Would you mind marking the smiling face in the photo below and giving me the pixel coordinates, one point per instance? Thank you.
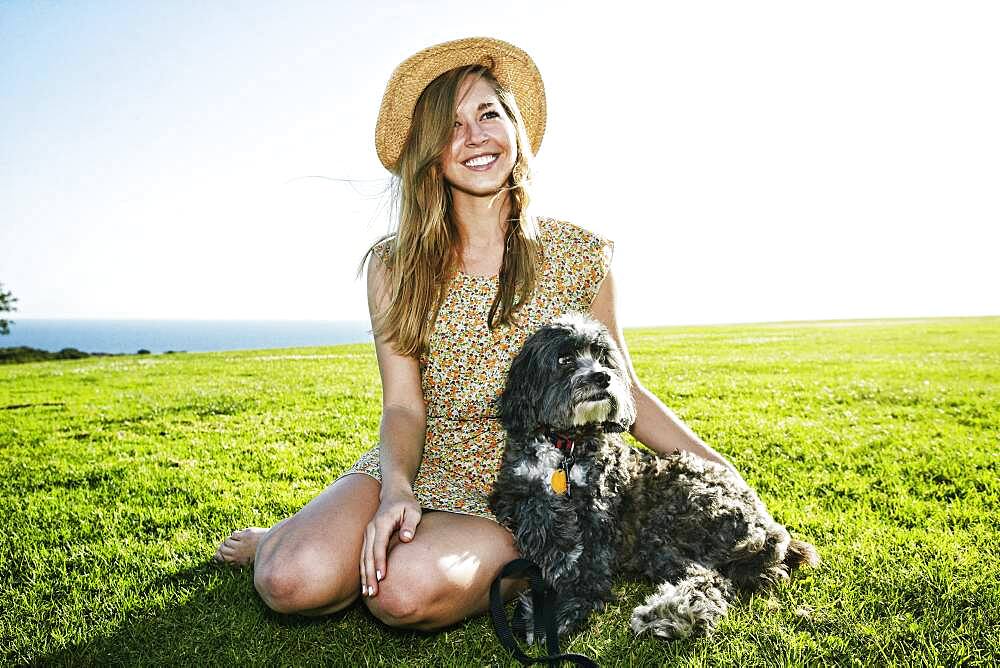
(480, 156)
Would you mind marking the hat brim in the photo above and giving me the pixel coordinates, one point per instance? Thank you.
(512, 68)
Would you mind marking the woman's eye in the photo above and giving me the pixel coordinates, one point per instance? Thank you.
(495, 114)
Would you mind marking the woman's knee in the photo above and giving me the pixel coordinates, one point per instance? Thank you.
(404, 604)
(279, 588)
(309, 563)
(301, 581)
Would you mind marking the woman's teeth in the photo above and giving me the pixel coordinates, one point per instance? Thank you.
(480, 161)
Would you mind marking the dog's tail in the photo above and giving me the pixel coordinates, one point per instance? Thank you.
(801, 553)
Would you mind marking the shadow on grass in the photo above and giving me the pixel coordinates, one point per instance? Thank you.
(210, 614)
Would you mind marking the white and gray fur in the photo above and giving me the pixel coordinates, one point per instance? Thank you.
(688, 525)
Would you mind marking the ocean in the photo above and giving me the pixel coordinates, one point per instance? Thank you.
(158, 336)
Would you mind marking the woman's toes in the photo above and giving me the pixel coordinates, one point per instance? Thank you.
(241, 546)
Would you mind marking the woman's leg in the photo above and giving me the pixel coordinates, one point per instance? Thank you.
(309, 562)
(443, 575)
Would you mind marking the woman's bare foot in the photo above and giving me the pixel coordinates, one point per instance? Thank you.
(241, 546)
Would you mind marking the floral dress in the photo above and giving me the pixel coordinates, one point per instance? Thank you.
(465, 366)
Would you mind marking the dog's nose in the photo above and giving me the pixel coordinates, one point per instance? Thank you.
(601, 378)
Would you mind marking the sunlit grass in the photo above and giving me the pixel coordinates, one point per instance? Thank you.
(875, 440)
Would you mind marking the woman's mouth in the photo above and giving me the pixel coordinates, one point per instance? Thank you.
(481, 163)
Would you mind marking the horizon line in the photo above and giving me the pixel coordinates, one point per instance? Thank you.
(633, 326)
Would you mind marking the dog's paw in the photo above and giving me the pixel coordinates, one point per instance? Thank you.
(691, 607)
(573, 614)
(524, 619)
(569, 627)
(529, 635)
(662, 617)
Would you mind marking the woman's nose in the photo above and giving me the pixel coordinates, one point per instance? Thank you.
(474, 134)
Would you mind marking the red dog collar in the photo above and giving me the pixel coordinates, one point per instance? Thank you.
(562, 442)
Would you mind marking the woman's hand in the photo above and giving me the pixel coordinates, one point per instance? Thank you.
(398, 511)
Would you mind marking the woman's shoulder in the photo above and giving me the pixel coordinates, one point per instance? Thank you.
(383, 247)
(559, 232)
(579, 253)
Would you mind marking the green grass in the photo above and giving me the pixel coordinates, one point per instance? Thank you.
(875, 440)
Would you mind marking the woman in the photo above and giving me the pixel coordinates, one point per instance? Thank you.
(468, 275)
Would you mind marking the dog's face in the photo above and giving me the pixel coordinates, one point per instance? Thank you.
(568, 374)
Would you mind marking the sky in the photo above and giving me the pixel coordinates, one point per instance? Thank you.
(752, 162)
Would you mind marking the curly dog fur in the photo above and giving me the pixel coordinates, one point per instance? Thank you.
(585, 507)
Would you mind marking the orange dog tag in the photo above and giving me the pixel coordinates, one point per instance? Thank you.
(558, 481)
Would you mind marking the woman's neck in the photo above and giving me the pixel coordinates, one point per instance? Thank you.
(481, 221)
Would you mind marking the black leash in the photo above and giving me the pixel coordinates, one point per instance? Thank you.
(543, 603)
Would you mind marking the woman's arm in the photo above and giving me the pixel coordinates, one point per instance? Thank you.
(401, 443)
(656, 426)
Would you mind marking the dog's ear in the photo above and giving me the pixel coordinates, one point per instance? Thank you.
(519, 402)
(614, 427)
(615, 358)
(625, 412)
(626, 418)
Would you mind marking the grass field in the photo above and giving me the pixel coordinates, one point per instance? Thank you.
(875, 440)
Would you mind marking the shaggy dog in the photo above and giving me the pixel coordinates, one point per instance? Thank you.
(585, 507)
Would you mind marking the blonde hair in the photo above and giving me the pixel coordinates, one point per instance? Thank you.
(425, 253)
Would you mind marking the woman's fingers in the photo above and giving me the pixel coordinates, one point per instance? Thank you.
(408, 528)
(361, 557)
(366, 559)
(403, 517)
(377, 535)
(378, 559)
(380, 539)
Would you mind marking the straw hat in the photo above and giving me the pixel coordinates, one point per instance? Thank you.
(511, 66)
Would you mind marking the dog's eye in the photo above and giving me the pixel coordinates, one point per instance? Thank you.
(565, 360)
